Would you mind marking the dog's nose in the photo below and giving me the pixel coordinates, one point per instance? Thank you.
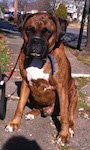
(37, 45)
(36, 41)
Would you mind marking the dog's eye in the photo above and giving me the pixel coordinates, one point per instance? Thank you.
(47, 33)
(30, 30)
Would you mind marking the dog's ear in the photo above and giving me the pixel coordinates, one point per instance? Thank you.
(61, 25)
(22, 19)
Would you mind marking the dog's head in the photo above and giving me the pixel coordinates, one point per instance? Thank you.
(40, 32)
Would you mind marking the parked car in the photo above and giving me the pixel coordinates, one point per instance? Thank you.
(11, 16)
(6, 15)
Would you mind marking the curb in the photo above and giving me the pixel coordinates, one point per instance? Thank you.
(80, 75)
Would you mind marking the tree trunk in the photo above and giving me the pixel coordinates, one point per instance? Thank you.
(86, 51)
(88, 36)
(15, 10)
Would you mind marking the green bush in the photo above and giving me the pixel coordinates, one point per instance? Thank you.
(61, 11)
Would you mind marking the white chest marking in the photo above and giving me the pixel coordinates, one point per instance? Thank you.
(35, 73)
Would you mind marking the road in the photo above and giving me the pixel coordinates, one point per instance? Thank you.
(75, 30)
(70, 38)
(7, 27)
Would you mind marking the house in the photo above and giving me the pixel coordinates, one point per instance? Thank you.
(72, 11)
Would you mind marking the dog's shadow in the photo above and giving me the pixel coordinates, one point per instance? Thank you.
(18, 84)
(20, 143)
(57, 124)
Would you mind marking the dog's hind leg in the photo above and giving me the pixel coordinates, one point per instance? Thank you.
(30, 115)
(73, 98)
(15, 122)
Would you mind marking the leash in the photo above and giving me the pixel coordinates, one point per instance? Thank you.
(2, 82)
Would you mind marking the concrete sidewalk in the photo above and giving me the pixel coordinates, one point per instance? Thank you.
(38, 134)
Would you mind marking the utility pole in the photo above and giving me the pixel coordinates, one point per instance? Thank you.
(15, 10)
(82, 25)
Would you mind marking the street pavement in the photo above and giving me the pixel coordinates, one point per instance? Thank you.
(7, 27)
(38, 134)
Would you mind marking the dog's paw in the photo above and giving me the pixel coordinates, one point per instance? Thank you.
(63, 138)
(71, 132)
(29, 116)
(9, 128)
(59, 142)
(12, 127)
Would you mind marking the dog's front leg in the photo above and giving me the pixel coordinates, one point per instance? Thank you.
(63, 100)
(24, 94)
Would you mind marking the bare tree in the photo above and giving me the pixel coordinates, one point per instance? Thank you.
(79, 7)
(48, 5)
(22, 5)
(3, 4)
(43, 5)
(53, 5)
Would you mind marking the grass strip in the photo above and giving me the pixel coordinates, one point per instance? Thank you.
(4, 55)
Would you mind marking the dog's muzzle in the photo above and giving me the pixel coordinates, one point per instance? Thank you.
(37, 47)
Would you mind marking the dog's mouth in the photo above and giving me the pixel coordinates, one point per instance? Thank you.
(37, 47)
(35, 55)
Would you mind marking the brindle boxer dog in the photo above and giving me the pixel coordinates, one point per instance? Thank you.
(46, 73)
